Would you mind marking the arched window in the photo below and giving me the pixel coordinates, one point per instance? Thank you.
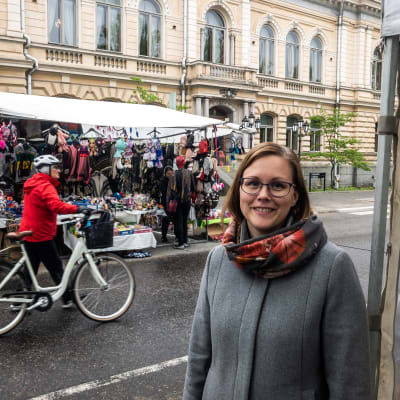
(266, 128)
(292, 139)
(108, 25)
(316, 60)
(214, 38)
(292, 56)
(267, 50)
(149, 28)
(376, 70)
(61, 20)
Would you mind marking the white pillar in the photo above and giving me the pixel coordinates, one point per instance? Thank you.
(245, 109)
(345, 56)
(14, 18)
(368, 57)
(198, 106)
(359, 57)
(252, 107)
(246, 22)
(232, 49)
(193, 45)
(206, 108)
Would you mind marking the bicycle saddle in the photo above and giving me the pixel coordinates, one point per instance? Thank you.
(17, 236)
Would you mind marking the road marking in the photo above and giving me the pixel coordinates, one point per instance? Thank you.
(112, 380)
(355, 208)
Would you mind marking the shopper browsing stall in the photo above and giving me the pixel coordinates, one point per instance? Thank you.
(168, 172)
(180, 189)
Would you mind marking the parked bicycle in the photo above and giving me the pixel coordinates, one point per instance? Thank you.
(103, 286)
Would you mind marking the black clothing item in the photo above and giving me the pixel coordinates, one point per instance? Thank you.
(164, 226)
(46, 252)
(163, 189)
(187, 191)
(180, 222)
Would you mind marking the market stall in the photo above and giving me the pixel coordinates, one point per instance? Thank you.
(109, 151)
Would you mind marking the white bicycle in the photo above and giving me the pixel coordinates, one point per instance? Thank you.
(103, 286)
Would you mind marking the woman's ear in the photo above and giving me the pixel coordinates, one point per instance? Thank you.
(295, 197)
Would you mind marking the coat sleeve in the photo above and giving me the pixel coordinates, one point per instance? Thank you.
(53, 202)
(345, 334)
(200, 342)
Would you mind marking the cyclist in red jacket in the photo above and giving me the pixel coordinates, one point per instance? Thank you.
(41, 206)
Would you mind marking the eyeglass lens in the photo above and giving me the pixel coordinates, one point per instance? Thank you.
(275, 188)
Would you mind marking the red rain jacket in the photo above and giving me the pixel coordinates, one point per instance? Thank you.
(41, 206)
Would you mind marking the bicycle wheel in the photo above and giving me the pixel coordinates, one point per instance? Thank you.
(104, 304)
(11, 314)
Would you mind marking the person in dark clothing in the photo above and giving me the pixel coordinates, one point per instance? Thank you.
(168, 172)
(180, 187)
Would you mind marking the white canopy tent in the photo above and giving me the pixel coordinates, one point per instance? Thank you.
(99, 113)
(383, 309)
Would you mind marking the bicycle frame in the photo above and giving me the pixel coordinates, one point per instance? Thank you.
(56, 292)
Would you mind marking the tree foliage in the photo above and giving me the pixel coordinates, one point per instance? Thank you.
(339, 149)
(145, 95)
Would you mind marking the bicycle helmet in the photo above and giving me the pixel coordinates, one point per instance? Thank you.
(44, 163)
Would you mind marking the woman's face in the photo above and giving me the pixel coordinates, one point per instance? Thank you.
(55, 172)
(263, 212)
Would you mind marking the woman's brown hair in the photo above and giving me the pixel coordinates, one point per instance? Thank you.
(300, 211)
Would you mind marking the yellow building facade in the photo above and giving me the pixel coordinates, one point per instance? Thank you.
(281, 60)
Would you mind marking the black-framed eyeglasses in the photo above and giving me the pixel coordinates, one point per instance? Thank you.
(253, 186)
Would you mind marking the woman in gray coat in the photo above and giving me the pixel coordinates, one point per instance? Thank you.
(280, 314)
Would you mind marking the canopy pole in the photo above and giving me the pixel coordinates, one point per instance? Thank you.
(389, 70)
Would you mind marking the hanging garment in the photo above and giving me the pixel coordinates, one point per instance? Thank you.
(99, 185)
(24, 155)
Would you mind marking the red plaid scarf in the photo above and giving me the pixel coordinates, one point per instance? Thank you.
(277, 254)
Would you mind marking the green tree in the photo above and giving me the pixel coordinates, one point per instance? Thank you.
(339, 149)
(145, 95)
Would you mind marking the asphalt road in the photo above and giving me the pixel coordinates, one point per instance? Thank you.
(61, 354)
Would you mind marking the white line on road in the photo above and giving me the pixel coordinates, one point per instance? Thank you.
(355, 208)
(112, 380)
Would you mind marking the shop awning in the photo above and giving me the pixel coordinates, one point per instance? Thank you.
(102, 113)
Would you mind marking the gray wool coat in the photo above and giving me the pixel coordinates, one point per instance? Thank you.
(303, 336)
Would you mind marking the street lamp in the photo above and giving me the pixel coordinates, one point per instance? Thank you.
(297, 128)
(250, 122)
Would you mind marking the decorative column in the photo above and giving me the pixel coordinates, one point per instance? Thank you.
(206, 108)
(192, 44)
(368, 56)
(13, 18)
(359, 68)
(202, 44)
(246, 23)
(198, 106)
(245, 109)
(232, 49)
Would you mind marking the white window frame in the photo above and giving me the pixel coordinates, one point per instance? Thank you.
(214, 29)
(62, 23)
(148, 15)
(291, 46)
(376, 69)
(314, 138)
(266, 127)
(108, 5)
(318, 59)
(267, 42)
